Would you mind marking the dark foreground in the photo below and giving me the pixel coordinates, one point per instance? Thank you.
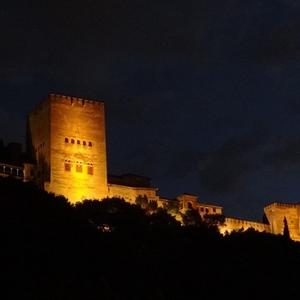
(52, 250)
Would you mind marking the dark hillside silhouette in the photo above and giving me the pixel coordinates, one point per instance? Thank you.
(114, 250)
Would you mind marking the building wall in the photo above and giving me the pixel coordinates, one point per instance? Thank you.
(39, 141)
(72, 134)
(188, 201)
(233, 224)
(276, 212)
(129, 194)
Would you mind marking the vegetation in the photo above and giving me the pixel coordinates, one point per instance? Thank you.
(113, 250)
(172, 207)
(142, 201)
(286, 231)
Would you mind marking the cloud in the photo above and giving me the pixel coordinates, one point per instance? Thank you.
(223, 169)
(281, 45)
(227, 168)
(285, 154)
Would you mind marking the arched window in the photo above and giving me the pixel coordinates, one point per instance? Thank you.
(90, 144)
(79, 168)
(72, 141)
(67, 165)
(90, 169)
(78, 142)
(84, 143)
(66, 140)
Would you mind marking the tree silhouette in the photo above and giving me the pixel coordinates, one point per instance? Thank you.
(161, 218)
(214, 220)
(286, 231)
(152, 206)
(55, 250)
(142, 201)
(172, 207)
(192, 218)
(112, 214)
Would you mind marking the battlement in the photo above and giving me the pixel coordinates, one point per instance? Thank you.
(282, 205)
(44, 106)
(74, 101)
(235, 224)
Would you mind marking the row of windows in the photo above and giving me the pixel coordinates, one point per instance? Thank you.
(206, 210)
(78, 142)
(79, 167)
(202, 209)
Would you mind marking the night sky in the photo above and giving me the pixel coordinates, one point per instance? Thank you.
(202, 96)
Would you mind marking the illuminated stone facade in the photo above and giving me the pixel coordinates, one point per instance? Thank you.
(129, 193)
(188, 201)
(67, 138)
(234, 224)
(276, 212)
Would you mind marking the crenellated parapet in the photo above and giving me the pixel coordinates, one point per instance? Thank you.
(276, 213)
(74, 101)
(236, 224)
(275, 205)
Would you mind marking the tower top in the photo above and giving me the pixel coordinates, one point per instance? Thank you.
(73, 100)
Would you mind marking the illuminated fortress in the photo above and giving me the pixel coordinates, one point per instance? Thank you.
(66, 140)
(68, 144)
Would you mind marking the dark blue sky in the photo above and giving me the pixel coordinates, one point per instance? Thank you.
(201, 96)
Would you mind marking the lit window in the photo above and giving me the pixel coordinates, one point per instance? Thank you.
(79, 168)
(78, 142)
(90, 170)
(84, 143)
(90, 144)
(66, 140)
(67, 166)
(72, 141)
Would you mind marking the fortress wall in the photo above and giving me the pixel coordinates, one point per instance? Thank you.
(276, 212)
(78, 148)
(232, 224)
(130, 193)
(191, 202)
(39, 127)
(209, 209)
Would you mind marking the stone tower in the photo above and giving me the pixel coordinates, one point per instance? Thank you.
(66, 137)
(276, 212)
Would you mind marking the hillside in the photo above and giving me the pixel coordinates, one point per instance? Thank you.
(113, 250)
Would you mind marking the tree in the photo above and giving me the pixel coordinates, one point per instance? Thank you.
(192, 218)
(161, 218)
(214, 220)
(286, 232)
(112, 214)
(172, 207)
(152, 206)
(142, 201)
